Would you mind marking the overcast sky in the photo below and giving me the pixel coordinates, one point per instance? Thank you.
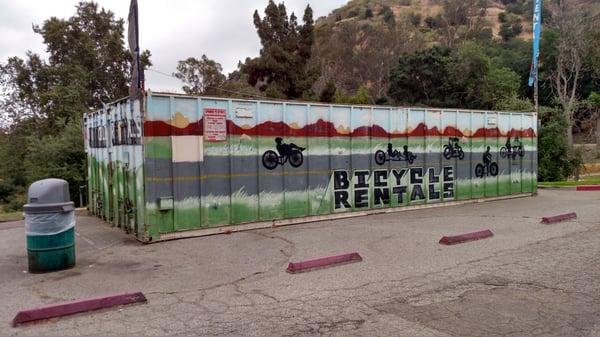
(171, 30)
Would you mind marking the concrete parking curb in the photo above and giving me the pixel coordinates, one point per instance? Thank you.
(299, 267)
(588, 188)
(559, 218)
(76, 306)
(452, 240)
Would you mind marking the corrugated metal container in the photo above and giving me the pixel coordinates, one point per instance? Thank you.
(203, 165)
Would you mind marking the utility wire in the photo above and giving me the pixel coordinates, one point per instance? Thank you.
(217, 88)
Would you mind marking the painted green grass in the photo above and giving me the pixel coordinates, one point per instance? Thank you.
(586, 180)
(11, 216)
(501, 185)
(160, 147)
(210, 211)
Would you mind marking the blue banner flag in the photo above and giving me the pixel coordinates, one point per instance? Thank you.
(537, 30)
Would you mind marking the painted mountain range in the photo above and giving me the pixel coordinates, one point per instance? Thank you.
(322, 128)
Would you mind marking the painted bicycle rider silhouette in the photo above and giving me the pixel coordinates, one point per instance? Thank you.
(487, 157)
(508, 144)
(454, 142)
(286, 149)
(394, 153)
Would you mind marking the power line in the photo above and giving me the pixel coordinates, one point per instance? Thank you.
(217, 88)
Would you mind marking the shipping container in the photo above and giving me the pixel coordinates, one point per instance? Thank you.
(177, 166)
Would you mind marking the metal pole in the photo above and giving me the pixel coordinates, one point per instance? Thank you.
(81, 188)
(536, 101)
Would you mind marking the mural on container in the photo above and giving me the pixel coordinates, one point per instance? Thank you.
(277, 160)
(115, 161)
(196, 162)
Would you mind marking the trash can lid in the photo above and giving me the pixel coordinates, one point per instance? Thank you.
(62, 207)
(49, 195)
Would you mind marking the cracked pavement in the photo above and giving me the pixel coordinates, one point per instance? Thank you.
(529, 279)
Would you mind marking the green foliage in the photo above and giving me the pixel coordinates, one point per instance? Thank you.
(422, 77)
(502, 84)
(594, 98)
(282, 69)
(467, 77)
(502, 17)
(43, 100)
(6, 190)
(415, 18)
(514, 103)
(360, 97)
(555, 161)
(517, 28)
(433, 22)
(201, 76)
(388, 15)
(517, 7)
(58, 156)
(328, 93)
(506, 31)
(16, 200)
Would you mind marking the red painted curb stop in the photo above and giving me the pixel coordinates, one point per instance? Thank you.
(452, 240)
(559, 218)
(76, 306)
(588, 188)
(299, 267)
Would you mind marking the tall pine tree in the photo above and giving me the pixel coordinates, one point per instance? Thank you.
(282, 70)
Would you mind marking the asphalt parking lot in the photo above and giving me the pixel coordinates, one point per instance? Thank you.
(529, 279)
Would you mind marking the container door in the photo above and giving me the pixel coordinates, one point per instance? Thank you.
(340, 148)
(417, 146)
(491, 141)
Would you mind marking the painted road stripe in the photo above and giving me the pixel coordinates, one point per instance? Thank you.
(452, 240)
(303, 266)
(76, 306)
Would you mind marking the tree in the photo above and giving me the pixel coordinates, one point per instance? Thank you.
(501, 85)
(506, 32)
(555, 162)
(360, 97)
(576, 22)
(461, 19)
(388, 15)
(201, 76)
(282, 69)
(42, 100)
(422, 77)
(328, 93)
(87, 66)
(352, 55)
(58, 156)
(469, 74)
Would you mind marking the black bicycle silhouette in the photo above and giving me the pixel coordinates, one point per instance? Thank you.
(394, 155)
(511, 151)
(453, 149)
(488, 168)
(287, 152)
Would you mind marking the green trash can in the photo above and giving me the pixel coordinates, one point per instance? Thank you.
(50, 226)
